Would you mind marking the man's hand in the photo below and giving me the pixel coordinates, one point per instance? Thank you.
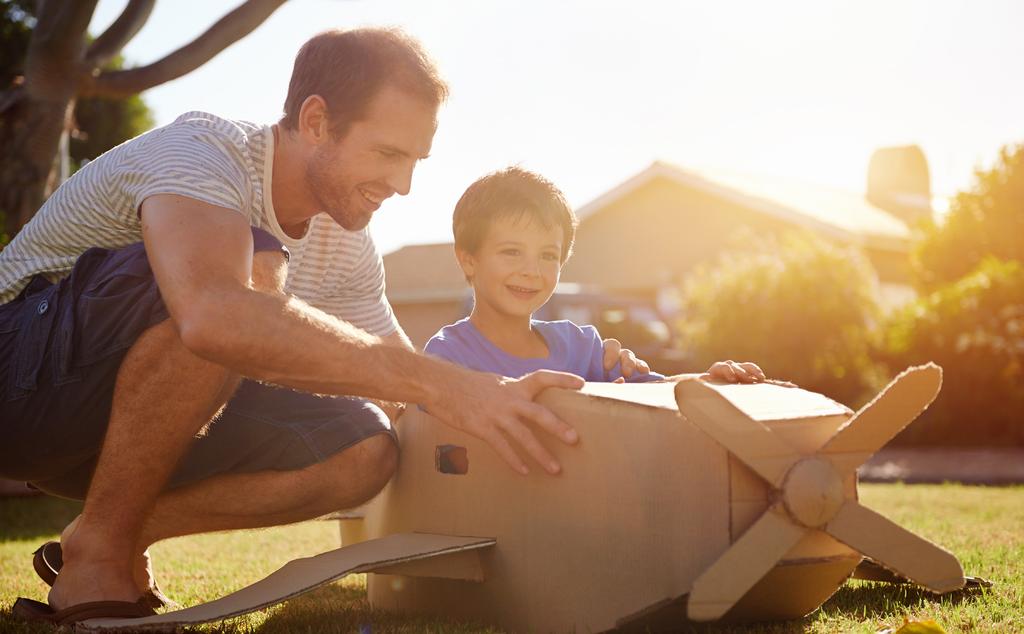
(629, 364)
(391, 409)
(500, 411)
(732, 372)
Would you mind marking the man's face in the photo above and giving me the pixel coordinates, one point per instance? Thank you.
(350, 177)
(516, 268)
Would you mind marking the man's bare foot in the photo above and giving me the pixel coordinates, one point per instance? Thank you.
(142, 573)
(92, 571)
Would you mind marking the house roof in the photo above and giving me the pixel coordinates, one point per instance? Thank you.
(831, 211)
(423, 273)
(428, 272)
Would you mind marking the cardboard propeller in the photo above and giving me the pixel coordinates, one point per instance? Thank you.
(809, 493)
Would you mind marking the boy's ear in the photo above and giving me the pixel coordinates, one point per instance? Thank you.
(466, 262)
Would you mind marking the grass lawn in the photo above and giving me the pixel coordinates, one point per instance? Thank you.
(984, 527)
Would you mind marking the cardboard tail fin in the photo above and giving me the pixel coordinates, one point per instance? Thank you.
(303, 575)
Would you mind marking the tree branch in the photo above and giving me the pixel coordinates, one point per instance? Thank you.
(228, 30)
(123, 29)
(60, 27)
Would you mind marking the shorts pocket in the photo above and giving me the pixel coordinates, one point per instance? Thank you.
(118, 300)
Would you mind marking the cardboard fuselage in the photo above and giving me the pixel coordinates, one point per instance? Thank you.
(644, 504)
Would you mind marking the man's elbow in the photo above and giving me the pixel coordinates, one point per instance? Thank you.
(204, 330)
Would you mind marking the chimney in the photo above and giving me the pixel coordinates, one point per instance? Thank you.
(899, 183)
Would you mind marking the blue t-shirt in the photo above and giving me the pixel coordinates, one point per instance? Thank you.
(571, 348)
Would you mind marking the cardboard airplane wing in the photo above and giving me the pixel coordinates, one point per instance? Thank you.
(740, 500)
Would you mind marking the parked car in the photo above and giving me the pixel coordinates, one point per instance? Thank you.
(634, 321)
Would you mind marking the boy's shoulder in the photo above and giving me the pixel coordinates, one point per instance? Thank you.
(566, 330)
(448, 336)
(453, 330)
(564, 325)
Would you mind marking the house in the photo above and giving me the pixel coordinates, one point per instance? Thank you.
(647, 233)
(426, 289)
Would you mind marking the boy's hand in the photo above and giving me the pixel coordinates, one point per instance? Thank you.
(629, 364)
(732, 372)
(499, 411)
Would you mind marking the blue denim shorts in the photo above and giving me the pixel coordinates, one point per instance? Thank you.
(61, 346)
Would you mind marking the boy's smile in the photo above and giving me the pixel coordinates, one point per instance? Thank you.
(523, 293)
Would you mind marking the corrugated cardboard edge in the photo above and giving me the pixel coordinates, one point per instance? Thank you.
(300, 576)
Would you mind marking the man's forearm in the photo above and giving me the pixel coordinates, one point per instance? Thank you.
(285, 341)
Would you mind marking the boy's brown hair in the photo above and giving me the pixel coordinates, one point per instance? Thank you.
(511, 193)
(347, 68)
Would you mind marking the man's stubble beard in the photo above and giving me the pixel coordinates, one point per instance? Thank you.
(333, 200)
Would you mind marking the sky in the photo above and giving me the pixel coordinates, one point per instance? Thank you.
(589, 92)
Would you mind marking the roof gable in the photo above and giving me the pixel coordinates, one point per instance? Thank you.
(829, 211)
(424, 272)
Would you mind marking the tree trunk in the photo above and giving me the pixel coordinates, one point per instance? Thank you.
(30, 133)
(34, 114)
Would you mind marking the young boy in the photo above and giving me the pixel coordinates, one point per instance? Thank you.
(514, 231)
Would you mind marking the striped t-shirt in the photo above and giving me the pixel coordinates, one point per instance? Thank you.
(218, 161)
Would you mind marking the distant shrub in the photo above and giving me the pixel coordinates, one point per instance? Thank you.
(987, 219)
(974, 329)
(800, 307)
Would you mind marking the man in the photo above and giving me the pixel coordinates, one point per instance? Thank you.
(159, 275)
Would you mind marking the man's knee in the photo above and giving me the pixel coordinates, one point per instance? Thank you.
(364, 467)
(377, 458)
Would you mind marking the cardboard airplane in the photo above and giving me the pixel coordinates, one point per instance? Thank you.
(735, 501)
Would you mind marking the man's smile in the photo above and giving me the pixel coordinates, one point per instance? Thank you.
(373, 199)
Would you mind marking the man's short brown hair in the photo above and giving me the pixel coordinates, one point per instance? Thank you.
(511, 193)
(347, 68)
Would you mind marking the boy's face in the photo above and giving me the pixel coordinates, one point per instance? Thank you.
(516, 268)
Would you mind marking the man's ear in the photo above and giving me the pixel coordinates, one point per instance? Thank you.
(313, 119)
(466, 262)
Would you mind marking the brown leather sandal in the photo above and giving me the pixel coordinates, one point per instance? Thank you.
(36, 611)
(48, 559)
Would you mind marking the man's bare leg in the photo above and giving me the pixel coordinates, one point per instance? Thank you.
(163, 395)
(272, 498)
(266, 498)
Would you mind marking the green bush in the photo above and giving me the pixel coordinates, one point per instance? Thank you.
(798, 306)
(974, 329)
(985, 220)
